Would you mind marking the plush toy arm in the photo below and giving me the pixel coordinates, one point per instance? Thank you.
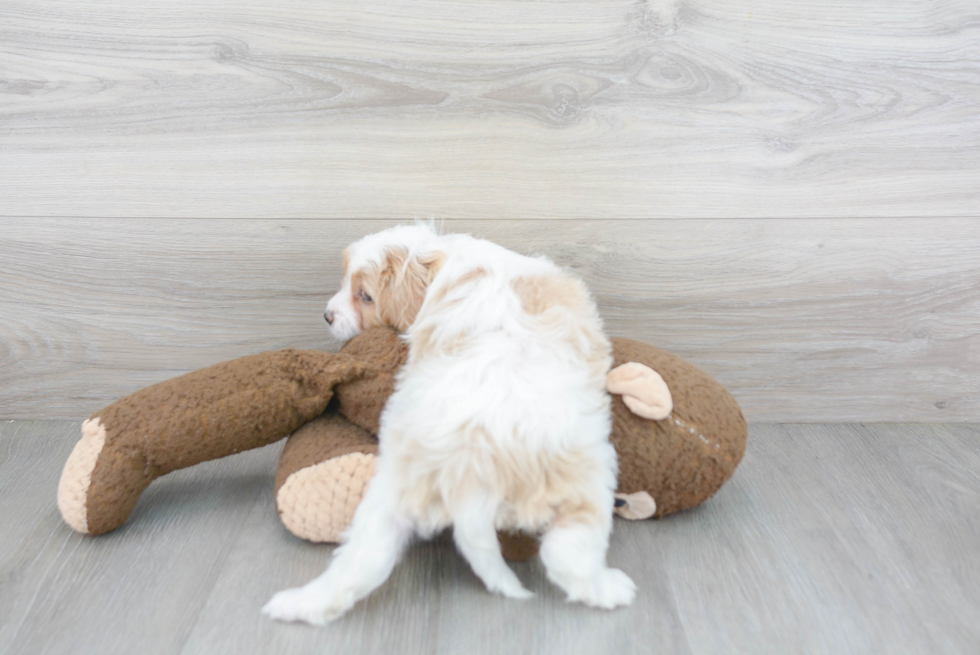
(214, 412)
(643, 390)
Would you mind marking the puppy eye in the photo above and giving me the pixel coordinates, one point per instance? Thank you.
(364, 296)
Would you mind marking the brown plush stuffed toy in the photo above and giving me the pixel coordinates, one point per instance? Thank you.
(678, 433)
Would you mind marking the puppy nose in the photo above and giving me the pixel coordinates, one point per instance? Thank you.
(328, 315)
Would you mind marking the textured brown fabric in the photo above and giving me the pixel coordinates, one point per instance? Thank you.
(253, 401)
(517, 546)
(681, 461)
(685, 458)
(323, 438)
(207, 414)
(362, 399)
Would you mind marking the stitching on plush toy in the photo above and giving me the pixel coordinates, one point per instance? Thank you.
(681, 424)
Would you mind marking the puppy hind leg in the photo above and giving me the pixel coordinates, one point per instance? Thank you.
(375, 542)
(476, 538)
(574, 554)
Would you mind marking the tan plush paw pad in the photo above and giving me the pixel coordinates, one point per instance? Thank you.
(318, 502)
(636, 506)
(643, 389)
(76, 477)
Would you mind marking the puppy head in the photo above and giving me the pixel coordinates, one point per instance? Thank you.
(385, 279)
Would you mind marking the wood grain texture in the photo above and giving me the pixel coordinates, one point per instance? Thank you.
(62, 592)
(813, 321)
(506, 109)
(828, 540)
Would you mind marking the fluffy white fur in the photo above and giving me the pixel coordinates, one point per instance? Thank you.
(500, 419)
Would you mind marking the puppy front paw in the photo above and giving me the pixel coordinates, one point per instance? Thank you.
(311, 606)
(511, 589)
(609, 589)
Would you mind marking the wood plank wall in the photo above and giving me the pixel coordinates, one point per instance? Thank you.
(787, 194)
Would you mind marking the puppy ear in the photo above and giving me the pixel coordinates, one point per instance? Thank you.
(346, 260)
(403, 282)
(430, 265)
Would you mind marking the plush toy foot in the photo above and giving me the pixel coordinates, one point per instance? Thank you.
(76, 478)
(323, 474)
(643, 390)
(318, 502)
(636, 506)
(102, 480)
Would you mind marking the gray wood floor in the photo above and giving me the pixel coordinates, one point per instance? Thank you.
(829, 539)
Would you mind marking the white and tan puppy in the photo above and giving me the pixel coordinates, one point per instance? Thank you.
(499, 419)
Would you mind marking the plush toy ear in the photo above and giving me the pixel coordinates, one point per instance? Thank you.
(643, 390)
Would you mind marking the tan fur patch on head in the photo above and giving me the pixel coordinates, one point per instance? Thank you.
(365, 281)
(396, 289)
(403, 282)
